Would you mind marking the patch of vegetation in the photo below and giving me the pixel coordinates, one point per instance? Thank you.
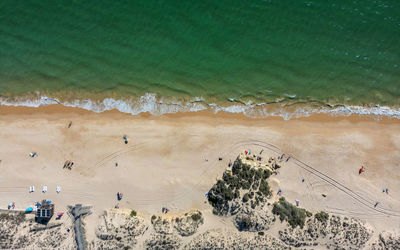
(322, 216)
(245, 197)
(21, 217)
(133, 213)
(4, 216)
(264, 188)
(153, 217)
(196, 216)
(244, 224)
(261, 233)
(293, 215)
(17, 218)
(241, 177)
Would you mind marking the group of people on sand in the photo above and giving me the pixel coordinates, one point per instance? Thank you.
(68, 165)
(11, 205)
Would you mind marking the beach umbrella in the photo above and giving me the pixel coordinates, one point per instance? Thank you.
(28, 210)
(48, 202)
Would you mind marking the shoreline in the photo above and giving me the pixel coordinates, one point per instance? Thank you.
(59, 109)
(287, 108)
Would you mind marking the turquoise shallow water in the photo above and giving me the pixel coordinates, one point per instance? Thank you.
(338, 52)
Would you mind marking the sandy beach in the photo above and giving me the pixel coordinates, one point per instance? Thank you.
(173, 161)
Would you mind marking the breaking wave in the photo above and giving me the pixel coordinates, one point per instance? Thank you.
(158, 106)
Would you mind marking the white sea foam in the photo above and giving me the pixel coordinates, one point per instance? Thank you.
(157, 106)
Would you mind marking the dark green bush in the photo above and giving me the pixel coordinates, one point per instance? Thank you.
(133, 213)
(266, 173)
(244, 224)
(196, 217)
(264, 188)
(322, 216)
(245, 198)
(261, 233)
(293, 215)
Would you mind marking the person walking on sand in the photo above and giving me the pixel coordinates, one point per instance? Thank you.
(362, 169)
(376, 204)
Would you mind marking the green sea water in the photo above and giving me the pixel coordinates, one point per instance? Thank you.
(332, 51)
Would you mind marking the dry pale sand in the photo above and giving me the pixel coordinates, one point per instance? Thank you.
(172, 160)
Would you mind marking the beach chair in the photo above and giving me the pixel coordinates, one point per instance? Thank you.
(44, 189)
(58, 189)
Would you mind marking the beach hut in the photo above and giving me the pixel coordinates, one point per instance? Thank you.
(44, 211)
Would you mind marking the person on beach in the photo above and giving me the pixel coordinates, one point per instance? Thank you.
(376, 204)
(116, 164)
(361, 170)
(125, 139)
(69, 124)
(297, 203)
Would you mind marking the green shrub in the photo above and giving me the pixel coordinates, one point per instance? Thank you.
(244, 224)
(245, 198)
(322, 216)
(196, 217)
(153, 217)
(293, 215)
(266, 174)
(261, 233)
(264, 188)
(21, 217)
(133, 213)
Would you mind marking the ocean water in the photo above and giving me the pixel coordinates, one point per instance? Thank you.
(170, 56)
